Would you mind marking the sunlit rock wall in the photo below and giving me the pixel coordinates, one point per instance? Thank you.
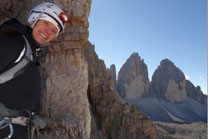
(65, 74)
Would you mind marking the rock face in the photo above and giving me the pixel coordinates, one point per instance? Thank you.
(113, 119)
(65, 74)
(17, 9)
(168, 82)
(195, 93)
(112, 72)
(133, 81)
(10, 8)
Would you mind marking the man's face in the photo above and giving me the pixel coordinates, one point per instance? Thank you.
(44, 32)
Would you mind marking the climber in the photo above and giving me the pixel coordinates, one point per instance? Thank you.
(20, 82)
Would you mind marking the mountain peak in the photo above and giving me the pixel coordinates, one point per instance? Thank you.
(168, 82)
(166, 63)
(133, 81)
(134, 57)
(135, 54)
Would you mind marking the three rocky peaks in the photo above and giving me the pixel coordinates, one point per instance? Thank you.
(169, 94)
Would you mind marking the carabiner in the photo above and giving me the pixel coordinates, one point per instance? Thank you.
(6, 122)
(3, 122)
(11, 131)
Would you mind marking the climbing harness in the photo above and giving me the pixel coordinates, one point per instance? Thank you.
(21, 117)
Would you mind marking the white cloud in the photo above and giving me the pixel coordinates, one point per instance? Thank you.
(187, 77)
(201, 78)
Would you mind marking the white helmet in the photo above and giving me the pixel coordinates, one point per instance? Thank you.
(50, 12)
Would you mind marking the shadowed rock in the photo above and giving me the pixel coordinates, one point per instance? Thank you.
(195, 93)
(112, 72)
(114, 119)
(168, 82)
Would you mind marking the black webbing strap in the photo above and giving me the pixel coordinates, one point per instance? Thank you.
(17, 69)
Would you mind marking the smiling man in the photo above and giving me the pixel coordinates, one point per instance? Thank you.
(47, 21)
(20, 86)
(44, 32)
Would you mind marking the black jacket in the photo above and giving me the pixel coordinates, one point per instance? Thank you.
(22, 92)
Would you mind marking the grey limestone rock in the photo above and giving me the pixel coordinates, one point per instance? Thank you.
(133, 81)
(168, 82)
(195, 93)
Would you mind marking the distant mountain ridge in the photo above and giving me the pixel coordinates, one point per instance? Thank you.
(168, 94)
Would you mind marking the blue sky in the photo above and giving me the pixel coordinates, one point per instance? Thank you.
(155, 29)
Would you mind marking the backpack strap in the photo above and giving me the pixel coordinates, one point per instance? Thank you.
(23, 61)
